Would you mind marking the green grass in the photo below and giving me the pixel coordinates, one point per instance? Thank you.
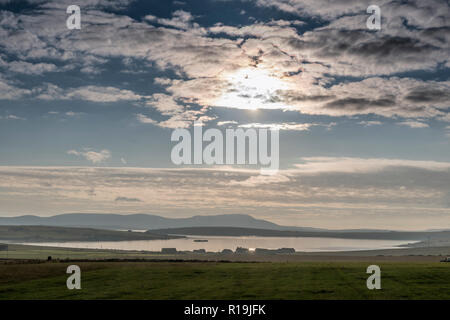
(18, 251)
(210, 280)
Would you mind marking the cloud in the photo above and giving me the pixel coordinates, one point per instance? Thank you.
(165, 104)
(28, 68)
(370, 123)
(87, 93)
(386, 97)
(180, 19)
(419, 13)
(95, 157)
(268, 64)
(125, 199)
(11, 117)
(9, 91)
(413, 124)
(259, 29)
(181, 120)
(144, 119)
(73, 114)
(280, 126)
(259, 180)
(208, 61)
(319, 191)
(102, 94)
(315, 165)
(224, 123)
(445, 117)
(288, 126)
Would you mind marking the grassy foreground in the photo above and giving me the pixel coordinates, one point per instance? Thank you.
(27, 252)
(213, 280)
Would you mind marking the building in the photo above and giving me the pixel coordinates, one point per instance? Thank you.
(240, 250)
(169, 250)
(263, 251)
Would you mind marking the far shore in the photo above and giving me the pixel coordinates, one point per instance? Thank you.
(422, 254)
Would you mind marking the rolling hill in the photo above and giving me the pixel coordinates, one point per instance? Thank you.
(143, 221)
(63, 234)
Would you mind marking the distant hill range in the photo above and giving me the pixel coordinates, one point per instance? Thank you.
(64, 234)
(143, 221)
(217, 225)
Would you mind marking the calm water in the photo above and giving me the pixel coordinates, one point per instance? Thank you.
(216, 244)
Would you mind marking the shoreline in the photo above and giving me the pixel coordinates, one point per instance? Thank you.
(421, 254)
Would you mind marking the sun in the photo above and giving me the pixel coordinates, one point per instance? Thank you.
(252, 89)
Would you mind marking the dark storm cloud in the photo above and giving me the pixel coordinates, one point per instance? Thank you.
(388, 48)
(293, 96)
(360, 52)
(428, 95)
(359, 104)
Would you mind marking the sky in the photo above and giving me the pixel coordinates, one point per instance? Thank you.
(86, 115)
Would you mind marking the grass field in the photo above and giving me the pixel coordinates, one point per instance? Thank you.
(303, 277)
(212, 280)
(18, 251)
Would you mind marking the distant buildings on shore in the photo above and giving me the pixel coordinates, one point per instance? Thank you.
(239, 250)
(169, 250)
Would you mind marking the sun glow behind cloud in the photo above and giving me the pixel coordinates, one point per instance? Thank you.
(253, 88)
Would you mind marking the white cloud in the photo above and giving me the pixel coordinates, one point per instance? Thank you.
(11, 117)
(27, 67)
(180, 19)
(280, 126)
(73, 114)
(260, 180)
(88, 93)
(224, 123)
(315, 165)
(370, 123)
(102, 94)
(165, 104)
(144, 119)
(95, 157)
(8, 91)
(413, 124)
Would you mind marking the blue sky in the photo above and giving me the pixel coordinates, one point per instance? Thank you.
(364, 114)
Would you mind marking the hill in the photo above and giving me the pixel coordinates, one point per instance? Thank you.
(142, 221)
(63, 234)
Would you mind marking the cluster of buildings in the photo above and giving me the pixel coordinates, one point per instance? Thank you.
(239, 250)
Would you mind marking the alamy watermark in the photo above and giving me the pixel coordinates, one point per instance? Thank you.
(374, 281)
(241, 147)
(74, 20)
(374, 20)
(74, 280)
